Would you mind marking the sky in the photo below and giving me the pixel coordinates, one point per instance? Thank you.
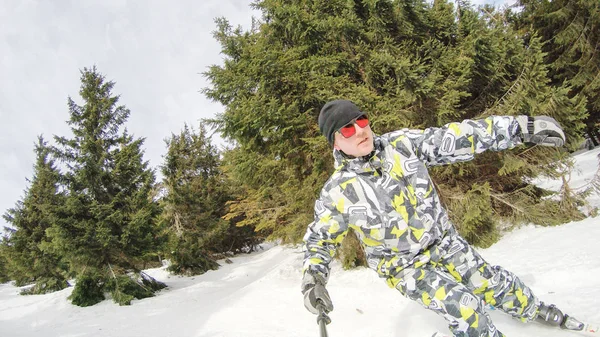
(258, 294)
(154, 50)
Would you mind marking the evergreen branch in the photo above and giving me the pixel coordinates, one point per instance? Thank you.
(509, 89)
(504, 201)
(270, 209)
(141, 285)
(594, 79)
(112, 272)
(594, 183)
(594, 66)
(526, 150)
(566, 27)
(488, 14)
(583, 33)
(178, 229)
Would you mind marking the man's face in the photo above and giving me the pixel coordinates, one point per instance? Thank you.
(358, 145)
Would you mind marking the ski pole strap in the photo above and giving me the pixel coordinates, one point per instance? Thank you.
(322, 319)
(322, 313)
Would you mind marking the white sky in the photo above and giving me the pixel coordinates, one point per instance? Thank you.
(154, 50)
(258, 295)
(496, 3)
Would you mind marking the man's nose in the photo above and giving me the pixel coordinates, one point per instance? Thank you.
(359, 130)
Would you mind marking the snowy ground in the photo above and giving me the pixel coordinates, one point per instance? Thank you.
(258, 295)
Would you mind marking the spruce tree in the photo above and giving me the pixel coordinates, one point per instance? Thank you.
(3, 269)
(194, 203)
(407, 63)
(25, 249)
(570, 33)
(107, 228)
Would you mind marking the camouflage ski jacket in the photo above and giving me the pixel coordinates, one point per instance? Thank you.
(388, 197)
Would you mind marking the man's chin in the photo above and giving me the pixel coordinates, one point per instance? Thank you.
(365, 149)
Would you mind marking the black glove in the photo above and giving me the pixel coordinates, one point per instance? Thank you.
(542, 130)
(313, 288)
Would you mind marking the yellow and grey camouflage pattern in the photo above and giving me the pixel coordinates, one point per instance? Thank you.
(458, 284)
(389, 200)
(388, 197)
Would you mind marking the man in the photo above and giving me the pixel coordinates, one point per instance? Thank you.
(381, 189)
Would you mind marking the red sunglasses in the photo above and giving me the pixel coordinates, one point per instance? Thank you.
(349, 129)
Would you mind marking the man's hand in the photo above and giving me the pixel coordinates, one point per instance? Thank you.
(313, 288)
(542, 130)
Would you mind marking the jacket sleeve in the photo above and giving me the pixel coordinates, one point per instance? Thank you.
(455, 142)
(323, 236)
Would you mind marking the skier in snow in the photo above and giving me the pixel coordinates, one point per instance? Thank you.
(381, 189)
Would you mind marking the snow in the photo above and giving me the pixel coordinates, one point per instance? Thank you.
(258, 295)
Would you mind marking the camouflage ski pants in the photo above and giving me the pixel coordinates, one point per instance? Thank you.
(457, 283)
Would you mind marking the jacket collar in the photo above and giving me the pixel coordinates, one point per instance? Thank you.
(368, 163)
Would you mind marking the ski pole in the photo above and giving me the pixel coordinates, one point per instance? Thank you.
(322, 319)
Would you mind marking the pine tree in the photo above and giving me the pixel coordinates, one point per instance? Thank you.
(107, 227)
(25, 250)
(408, 63)
(194, 204)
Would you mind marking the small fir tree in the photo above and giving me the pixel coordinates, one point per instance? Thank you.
(195, 200)
(25, 248)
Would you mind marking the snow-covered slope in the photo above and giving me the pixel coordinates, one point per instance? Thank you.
(258, 295)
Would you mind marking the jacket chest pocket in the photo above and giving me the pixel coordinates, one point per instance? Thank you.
(369, 227)
(358, 216)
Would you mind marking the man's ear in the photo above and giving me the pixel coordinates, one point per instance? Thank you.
(335, 146)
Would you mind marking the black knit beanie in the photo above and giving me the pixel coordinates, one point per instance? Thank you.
(336, 114)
